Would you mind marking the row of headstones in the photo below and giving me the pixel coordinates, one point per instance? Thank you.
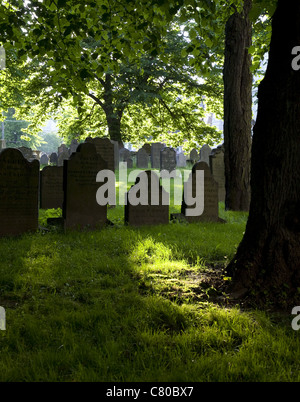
(157, 155)
(160, 156)
(23, 189)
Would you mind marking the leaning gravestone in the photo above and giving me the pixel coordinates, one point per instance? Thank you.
(168, 159)
(205, 151)
(51, 187)
(44, 160)
(155, 154)
(80, 207)
(142, 159)
(217, 167)
(145, 212)
(19, 185)
(105, 149)
(211, 211)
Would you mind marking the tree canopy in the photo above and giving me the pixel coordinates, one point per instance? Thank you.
(66, 56)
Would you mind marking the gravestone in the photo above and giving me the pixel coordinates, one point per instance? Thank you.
(124, 154)
(51, 187)
(2, 144)
(62, 148)
(168, 159)
(105, 149)
(62, 156)
(155, 154)
(26, 152)
(44, 160)
(147, 148)
(211, 211)
(205, 151)
(194, 156)
(139, 215)
(129, 163)
(217, 167)
(53, 158)
(142, 159)
(19, 185)
(73, 146)
(180, 160)
(80, 207)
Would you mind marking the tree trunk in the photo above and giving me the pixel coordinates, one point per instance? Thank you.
(237, 109)
(113, 115)
(114, 126)
(267, 262)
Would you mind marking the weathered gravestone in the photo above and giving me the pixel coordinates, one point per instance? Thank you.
(73, 146)
(142, 159)
(168, 159)
(217, 167)
(125, 158)
(194, 156)
(2, 144)
(129, 163)
(124, 154)
(44, 160)
(205, 151)
(211, 211)
(105, 149)
(51, 187)
(80, 207)
(62, 148)
(180, 160)
(26, 152)
(147, 203)
(155, 154)
(19, 186)
(62, 156)
(53, 158)
(147, 148)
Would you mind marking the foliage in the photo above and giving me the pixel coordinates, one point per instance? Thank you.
(13, 131)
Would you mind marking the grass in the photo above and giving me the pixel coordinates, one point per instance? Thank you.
(126, 304)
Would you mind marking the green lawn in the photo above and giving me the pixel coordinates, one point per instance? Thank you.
(128, 304)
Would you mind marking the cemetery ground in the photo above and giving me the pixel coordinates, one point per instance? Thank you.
(136, 304)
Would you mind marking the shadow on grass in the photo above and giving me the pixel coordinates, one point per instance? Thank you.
(99, 307)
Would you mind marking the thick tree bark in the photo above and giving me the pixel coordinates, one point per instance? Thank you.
(237, 109)
(268, 259)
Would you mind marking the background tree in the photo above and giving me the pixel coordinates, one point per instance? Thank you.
(238, 109)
